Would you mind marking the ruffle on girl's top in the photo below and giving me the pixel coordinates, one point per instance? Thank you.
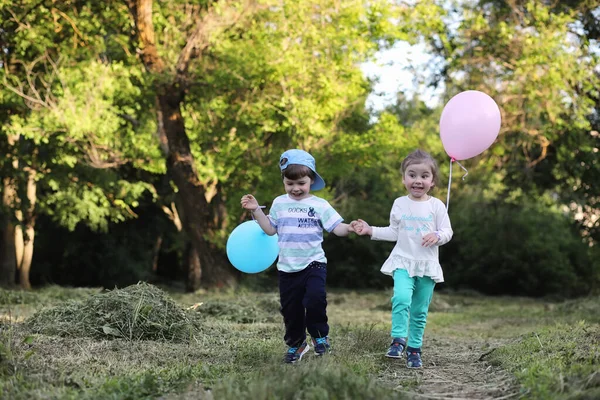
(420, 268)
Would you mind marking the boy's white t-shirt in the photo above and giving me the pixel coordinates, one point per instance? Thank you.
(300, 225)
(410, 220)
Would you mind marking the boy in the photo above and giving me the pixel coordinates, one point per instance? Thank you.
(299, 218)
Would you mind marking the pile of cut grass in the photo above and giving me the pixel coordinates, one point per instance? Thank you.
(137, 312)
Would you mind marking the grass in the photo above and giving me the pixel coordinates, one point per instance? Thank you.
(559, 362)
(53, 345)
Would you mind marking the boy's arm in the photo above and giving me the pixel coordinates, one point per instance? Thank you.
(249, 202)
(264, 222)
(342, 229)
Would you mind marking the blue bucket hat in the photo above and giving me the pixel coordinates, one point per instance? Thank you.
(301, 157)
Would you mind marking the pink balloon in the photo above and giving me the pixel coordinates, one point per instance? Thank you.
(469, 124)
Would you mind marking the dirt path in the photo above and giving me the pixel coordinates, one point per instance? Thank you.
(457, 370)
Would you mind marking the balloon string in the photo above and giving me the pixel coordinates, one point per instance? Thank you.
(466, 172)
(252, 213)
(452, 159)
(449, 183)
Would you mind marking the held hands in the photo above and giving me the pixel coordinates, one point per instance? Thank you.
(430, 239)
(361, 228)
(249, 202)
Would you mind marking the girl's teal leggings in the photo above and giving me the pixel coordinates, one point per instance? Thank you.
(411, 297)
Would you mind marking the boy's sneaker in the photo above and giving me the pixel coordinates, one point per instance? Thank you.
(413, 359)
(396, 348)
(295, 353)
(321, 345)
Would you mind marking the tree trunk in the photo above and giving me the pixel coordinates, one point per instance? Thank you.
(10, 202)
(196, 213)
(194, 275)
(19, 241)
(156, 252)
(213, 266)
(8, 259)
(26, 240)
(25, 266)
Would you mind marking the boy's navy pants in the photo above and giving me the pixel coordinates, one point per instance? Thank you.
(304, 303)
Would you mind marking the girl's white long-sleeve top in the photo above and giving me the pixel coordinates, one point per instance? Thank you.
(410, 220)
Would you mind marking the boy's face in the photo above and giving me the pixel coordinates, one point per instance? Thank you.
(418, 179)
(297, 189)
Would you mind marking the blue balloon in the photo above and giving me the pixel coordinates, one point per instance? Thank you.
(250, 249)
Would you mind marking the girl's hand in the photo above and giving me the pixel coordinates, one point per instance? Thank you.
(361, 228)
(249, 202)
(430, 239)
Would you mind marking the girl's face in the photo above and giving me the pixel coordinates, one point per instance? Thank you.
(418, 179)
(298, 189)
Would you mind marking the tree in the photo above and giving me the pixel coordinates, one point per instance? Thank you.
(537, 60)
(239, 82)
(226, 85)
(49, 84)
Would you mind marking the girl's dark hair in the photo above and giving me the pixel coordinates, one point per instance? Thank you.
(297, 171)
(421, 157)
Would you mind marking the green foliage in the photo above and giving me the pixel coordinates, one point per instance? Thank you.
(286, 79)
(543, 66)
(521, 248)
(71, 109)
(576, 170)
(538, 61)
(374, 181)
(288, 75)
(122, 256)
(355, 263)
(95, 204)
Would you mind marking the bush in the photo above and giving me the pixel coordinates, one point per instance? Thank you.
(119, 257)
(524, 249)
(355, 263)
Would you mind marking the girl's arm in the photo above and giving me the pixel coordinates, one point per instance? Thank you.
(388, 233)
(443, 227)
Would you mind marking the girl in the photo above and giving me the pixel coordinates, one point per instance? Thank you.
(419, 224)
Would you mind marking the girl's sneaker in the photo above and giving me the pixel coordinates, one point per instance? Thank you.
(295, 354)
(321, 345)
(413, 360)
(396, 348)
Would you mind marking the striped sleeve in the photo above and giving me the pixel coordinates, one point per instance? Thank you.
(330, 218)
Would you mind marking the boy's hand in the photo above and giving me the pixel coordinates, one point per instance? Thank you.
(430, 239)
(249, 202)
